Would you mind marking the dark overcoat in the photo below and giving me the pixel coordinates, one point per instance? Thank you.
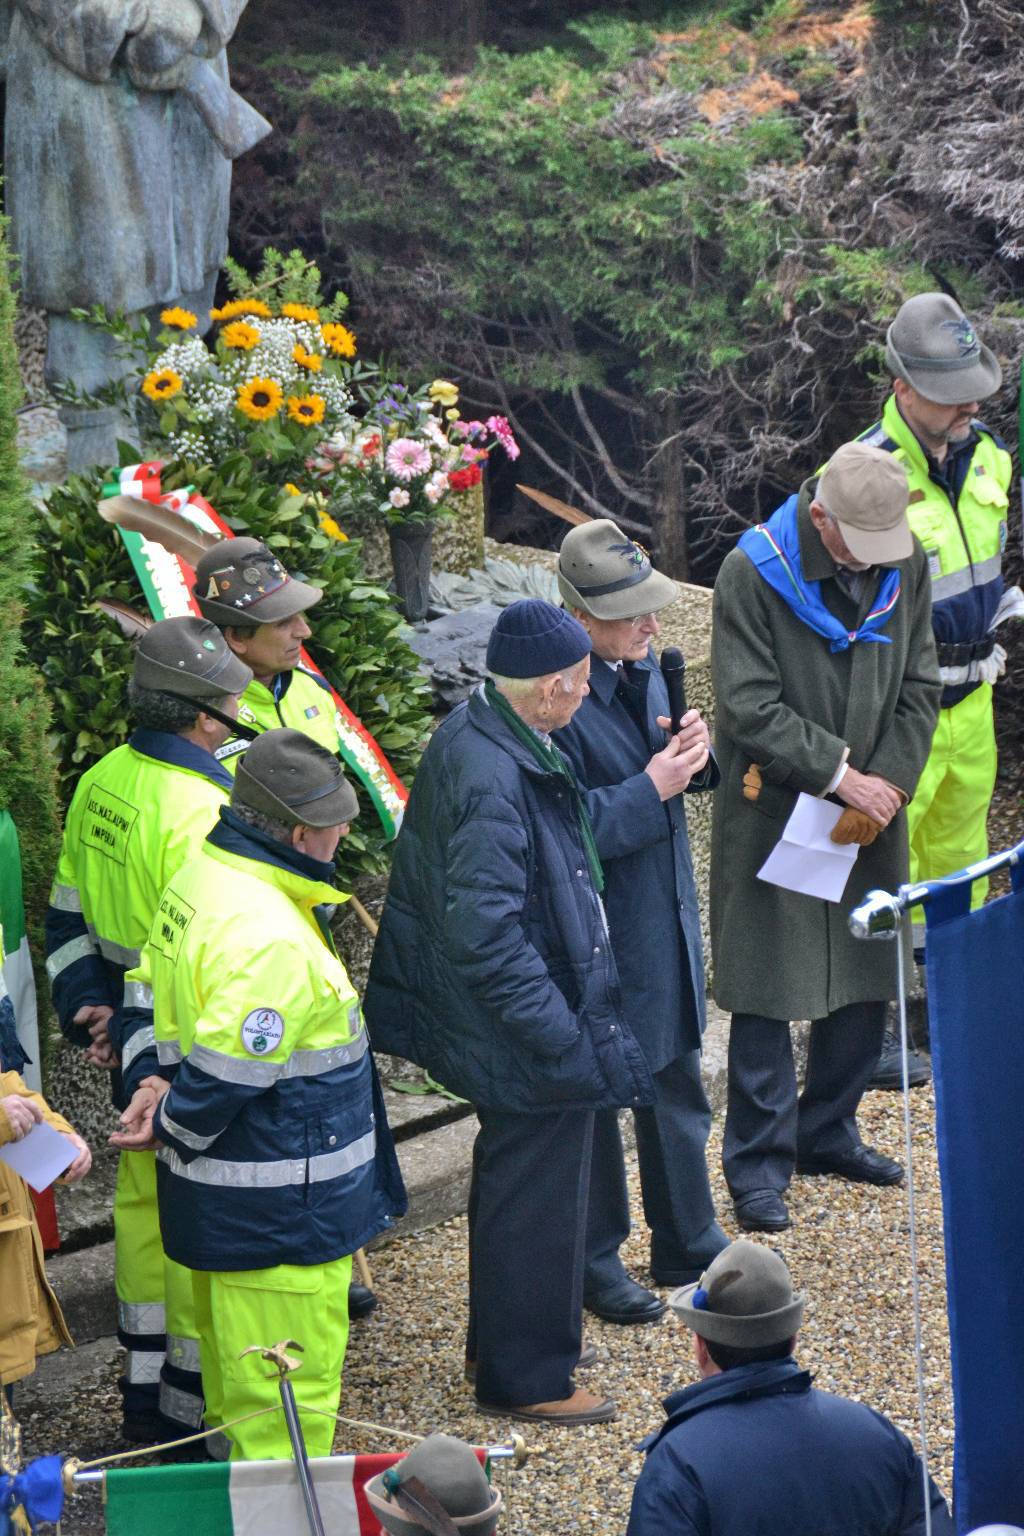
(757, 1451)
(492, 968)
(785, 701)
(649, 895)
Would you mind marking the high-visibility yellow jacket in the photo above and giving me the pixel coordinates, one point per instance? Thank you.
(297, 699)
(276, 1147)
(959, 513)
(135, 817)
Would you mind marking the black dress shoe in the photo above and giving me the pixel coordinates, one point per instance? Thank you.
(862, 1165)
(763, 1210)
(361, 1301)
(889, 1072)
(625, 1302)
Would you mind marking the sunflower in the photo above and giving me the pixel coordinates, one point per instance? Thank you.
(260, 399)
(332, 529)
(307, 410)
(181, 319)
(240, 335)
(161, 384)
(238, 307)
(311, 360)
(340, 339)
(301, 312)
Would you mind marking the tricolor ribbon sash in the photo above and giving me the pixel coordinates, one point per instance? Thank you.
(167, 582)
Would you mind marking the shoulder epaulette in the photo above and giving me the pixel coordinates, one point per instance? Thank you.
(878, 437)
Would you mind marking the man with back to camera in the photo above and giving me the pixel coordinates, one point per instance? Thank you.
(753, 1446)
(635, 781)
(959, 474)
(136, 816)
(826, 684)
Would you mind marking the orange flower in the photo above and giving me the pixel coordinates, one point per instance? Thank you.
(241, 307)
(339, 339)
(240, 335)
(161, 384)
(260, 399)
(311, 360)
(181, 319)
(307, 410)
(301, 312)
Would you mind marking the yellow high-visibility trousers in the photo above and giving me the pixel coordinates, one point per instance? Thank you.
(139, 1280)
(947, 818)
(307, 1303)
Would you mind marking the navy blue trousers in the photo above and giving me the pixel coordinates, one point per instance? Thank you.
(527, 1221)
(671, 1141)
(766, 1124)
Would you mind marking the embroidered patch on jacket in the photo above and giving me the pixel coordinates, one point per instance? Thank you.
(262, 1031)
(311, 713)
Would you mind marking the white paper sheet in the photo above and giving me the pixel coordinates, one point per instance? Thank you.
(805, 859)
(41, 1156)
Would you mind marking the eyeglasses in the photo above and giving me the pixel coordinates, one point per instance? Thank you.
(639, 620)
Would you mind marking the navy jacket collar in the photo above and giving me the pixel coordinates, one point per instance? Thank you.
(166, 747)
(236, 836)
(768, 1378)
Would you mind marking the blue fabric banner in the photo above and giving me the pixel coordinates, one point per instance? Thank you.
(976, 1009)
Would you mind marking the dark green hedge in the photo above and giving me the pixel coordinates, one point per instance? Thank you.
(86, 660)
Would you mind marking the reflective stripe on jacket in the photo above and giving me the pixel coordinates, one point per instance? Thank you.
(135, 817)
(299, 700)
(276, 1149)
(961, 524)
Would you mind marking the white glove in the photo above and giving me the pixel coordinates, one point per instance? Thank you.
(988, 671)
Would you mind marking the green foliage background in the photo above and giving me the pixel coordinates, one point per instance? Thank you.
(86, 660)
(27, 779)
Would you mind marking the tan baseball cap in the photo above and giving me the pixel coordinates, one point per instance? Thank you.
(866, 491)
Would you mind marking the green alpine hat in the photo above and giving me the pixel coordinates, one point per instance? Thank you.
(289, 776)
(240, 582)
(445, 1470)
(191, 659)
(932, 346)
(603, 572)
(744, 1299)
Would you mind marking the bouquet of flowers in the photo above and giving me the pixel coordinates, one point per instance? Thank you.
(410, 457)
(266, 379)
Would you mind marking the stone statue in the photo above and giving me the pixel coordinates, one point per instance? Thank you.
(120, 132)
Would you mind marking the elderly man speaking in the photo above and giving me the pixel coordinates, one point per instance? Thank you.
(826, 682)
(493, 970)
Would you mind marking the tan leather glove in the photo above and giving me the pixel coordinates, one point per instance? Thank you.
(856, 827)
(752, 782)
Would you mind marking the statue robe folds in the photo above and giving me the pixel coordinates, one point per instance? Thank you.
(116, 190)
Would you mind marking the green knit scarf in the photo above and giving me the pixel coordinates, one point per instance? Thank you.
(549, 757)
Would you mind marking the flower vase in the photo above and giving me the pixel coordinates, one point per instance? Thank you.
(410, 561)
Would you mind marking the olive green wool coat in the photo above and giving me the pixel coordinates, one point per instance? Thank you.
(785, 701)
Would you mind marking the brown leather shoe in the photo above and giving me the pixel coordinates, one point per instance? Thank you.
(588, 1355)
(581, 1408)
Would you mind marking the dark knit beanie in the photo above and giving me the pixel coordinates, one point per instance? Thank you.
(533, 639)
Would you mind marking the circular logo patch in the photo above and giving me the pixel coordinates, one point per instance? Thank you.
(262, 1031)
(251, 575)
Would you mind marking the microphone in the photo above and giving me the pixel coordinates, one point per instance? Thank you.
(673, 670)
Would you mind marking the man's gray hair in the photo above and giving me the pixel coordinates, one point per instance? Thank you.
(280, 831)
(525, 687)
(155, 710)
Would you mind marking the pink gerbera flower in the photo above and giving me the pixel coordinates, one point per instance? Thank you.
(406, 458)
(503, 432)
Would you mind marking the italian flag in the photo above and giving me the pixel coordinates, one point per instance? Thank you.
(241, 1498)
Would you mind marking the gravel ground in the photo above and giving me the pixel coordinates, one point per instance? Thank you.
(847, 1248)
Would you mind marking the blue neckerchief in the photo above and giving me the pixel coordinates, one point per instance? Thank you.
(236, 836)
(166, 747)
(774, 548)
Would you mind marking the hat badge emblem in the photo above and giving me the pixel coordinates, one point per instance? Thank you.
(632, 553)
(963, 333)
(251, 575)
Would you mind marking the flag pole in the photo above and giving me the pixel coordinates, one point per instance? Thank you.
(277, 1355)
